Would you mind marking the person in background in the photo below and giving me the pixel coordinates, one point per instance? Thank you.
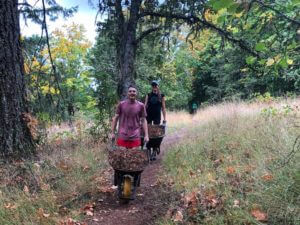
(194, 108)
(155, 104)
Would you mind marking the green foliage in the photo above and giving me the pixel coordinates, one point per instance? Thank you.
(224, 71)
(283, 111)
(57, 96)
(103, 71)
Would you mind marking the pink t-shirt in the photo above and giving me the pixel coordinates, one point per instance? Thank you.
(130, 114)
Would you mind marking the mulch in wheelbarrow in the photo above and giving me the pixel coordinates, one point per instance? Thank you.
(127, 159)
(156, 131)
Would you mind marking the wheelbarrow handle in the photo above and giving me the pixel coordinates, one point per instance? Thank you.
(144, 146)
(113, 143)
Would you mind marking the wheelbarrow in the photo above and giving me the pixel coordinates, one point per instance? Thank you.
(128, 165)
(156, 135)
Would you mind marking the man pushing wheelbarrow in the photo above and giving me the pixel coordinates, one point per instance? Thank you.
(127, 159)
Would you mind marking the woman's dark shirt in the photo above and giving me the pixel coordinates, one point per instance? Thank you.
(154, 105)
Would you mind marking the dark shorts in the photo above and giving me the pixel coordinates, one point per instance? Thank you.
(155, 120)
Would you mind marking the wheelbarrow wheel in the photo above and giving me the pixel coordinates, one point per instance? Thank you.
(127, 186)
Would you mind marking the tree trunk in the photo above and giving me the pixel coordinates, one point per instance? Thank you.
(126, 66)
(15, 136)
(126, 46)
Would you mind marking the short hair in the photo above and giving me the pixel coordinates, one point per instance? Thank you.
(132, 86)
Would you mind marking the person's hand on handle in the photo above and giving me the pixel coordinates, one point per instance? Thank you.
(146, 139)
(112, 136)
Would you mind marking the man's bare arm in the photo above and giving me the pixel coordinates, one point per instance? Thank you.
(114, 125)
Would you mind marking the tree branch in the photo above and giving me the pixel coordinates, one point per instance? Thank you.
(277, 11)
(25, 4)
(146, 33)
(191, 20)
(49, 51)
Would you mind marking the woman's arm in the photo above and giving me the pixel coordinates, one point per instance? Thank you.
(146, 101)
(163, 101)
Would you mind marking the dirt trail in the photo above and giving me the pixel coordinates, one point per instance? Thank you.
(151, 201)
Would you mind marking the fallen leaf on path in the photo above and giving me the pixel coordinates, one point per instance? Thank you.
(41, 213)
(10, 206)
(192, 174)
(134, 210)
(89, 209)
(267, 177)
(63, 165)
(178, 216)
(190, 198)
(230, 170)
(89, 206)
(89, 213)
(153, 185)
(46, 215)
(26, 189)
(218, 162)
(236, 203)
(106, 189)
(85, 168)
(70, 221)
(45, 187)
(259, 215)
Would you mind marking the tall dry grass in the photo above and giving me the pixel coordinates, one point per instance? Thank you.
(239, 164)
(226, 109)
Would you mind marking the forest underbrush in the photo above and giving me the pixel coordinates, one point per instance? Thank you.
(60, 184)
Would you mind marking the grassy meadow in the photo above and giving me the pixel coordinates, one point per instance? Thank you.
(238, 164)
